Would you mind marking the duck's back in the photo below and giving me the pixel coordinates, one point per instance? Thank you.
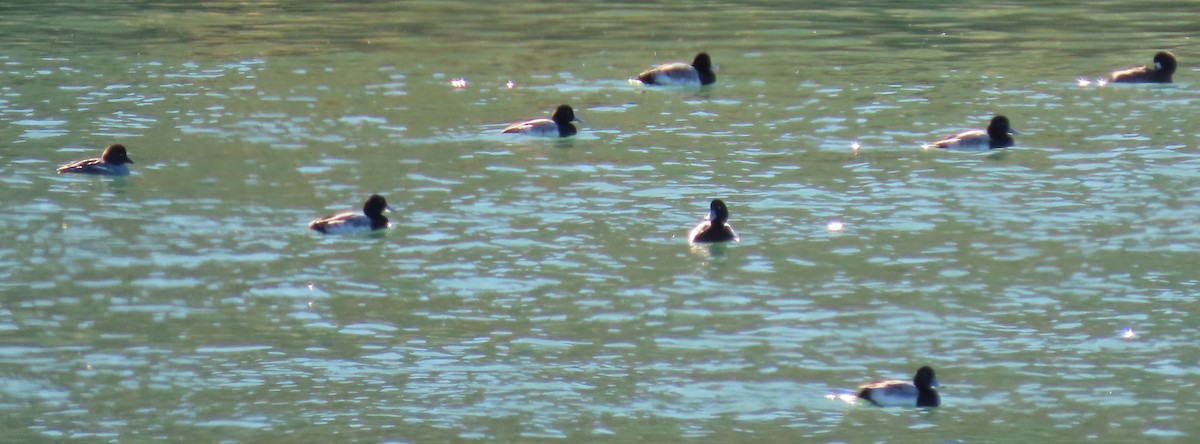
(1141, 74)
(890, 393)
(534, 127)
(341, 223)
(970, 140)
(94, 166)
(673, 74)
(706, 232)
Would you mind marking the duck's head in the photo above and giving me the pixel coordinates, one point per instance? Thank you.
(925, 378)
(564, 115)
(702, 62)
(375, 205)
(116, 155)
(1164, 62)
(717, 212)
(1000, 127)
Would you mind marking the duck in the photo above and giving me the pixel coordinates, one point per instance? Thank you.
(899, 393)
(371, 219)
(113, 162)
(699, 73)
(1164, 67)
(998, 135)
(558, 125)
(715, 227)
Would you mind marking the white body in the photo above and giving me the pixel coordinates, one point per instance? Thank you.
(674, 74)
(895, 393)
(534, 127)
(973, 140)
(344, 223)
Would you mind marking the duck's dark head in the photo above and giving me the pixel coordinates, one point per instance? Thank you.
(375, 206)
(1164, 62)
(925, 378)
(702, 62)
(704, 68)
(115, 154)
(717, 212)
(564, 115)
(1000, 128)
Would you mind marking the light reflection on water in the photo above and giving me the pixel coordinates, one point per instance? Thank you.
(544, 289)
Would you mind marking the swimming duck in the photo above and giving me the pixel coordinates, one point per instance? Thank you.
(1164, 67)
(558, 125)
(898, 393)
(679, 74)
(114, 162)
(998, 135)
(372, 218)
(714, 228)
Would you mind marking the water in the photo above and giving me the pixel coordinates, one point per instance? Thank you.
(535, 290)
